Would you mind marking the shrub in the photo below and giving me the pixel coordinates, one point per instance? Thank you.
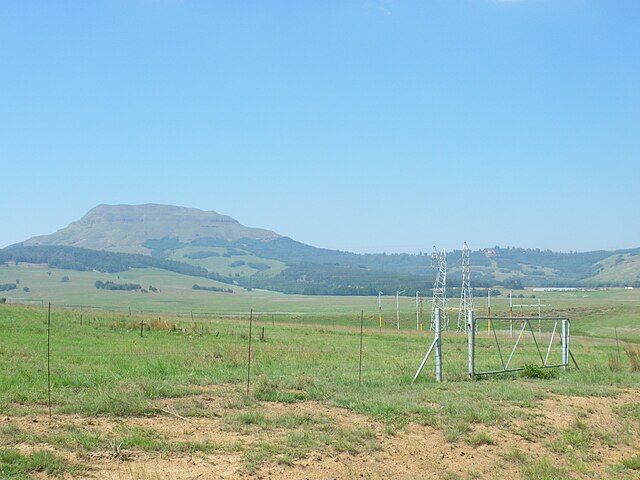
(532, 370)
(211, 289)
(100, 285)
(160, 324)
(633, 352)
(632, 463)
(615, 365)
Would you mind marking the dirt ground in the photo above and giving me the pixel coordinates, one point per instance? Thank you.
(414, 452)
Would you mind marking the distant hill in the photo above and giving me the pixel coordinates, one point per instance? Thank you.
(132, 228)
(216, 246)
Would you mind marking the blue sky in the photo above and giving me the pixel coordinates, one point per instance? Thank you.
(370, 126)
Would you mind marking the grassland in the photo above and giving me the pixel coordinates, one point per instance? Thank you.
(141, 406)
(221, 264)
(595, 313)
(619, 268)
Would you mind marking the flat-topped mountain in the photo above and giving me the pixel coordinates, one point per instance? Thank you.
(129, 228)
(206, 243)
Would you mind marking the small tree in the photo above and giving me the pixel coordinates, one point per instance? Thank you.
(64, 279)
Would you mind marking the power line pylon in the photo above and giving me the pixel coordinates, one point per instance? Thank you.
(466, 298)
(439, 265)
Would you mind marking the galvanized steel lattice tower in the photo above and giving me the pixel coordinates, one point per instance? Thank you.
(466, 299)
(439, 266)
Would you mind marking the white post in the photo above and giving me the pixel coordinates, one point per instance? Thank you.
(471, 331)
(489, 311)
(380, 310)
(565, 346)
(418, 311)
(438, 348)
(398, 308)
(510, 315)
(539, 319)
(568, 340)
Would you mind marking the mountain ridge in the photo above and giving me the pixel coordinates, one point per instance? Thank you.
(260, 258)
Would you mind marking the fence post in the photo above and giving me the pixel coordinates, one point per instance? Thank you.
(438, 347)
(471, 332)
(249, 355)
(565, 347)
(361, 329)
(568, 340)
(49, 357)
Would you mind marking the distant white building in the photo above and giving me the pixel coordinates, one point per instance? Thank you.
(555, 289)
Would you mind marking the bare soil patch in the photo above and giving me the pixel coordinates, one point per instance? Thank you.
(415, 452)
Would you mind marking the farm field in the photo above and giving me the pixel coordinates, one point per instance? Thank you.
(173, 403)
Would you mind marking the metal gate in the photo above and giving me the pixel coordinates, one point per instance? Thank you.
(507, 344)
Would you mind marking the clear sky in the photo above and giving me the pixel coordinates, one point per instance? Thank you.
(362, 125)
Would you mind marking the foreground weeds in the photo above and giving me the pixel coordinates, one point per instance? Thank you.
(15, 465)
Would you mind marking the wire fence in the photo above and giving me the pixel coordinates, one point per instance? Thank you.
(76, 351)
(122, 356)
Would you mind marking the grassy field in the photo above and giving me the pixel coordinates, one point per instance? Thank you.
(595, 313)
(221, 264)
(178, 392)
(619, 268)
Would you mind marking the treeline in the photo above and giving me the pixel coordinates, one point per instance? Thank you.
(100, 285)
(212, 289)
(572, 266)
(82, 259)
(293, 252)
(261, 267)
(525, 267)
(200, 255)
(5, 287)
(311, 279)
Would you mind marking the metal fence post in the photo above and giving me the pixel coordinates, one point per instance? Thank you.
(438, 347)
(568, 340)
(565, 347)
(471, 332)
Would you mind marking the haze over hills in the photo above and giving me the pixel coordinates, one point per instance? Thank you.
(189, 241)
